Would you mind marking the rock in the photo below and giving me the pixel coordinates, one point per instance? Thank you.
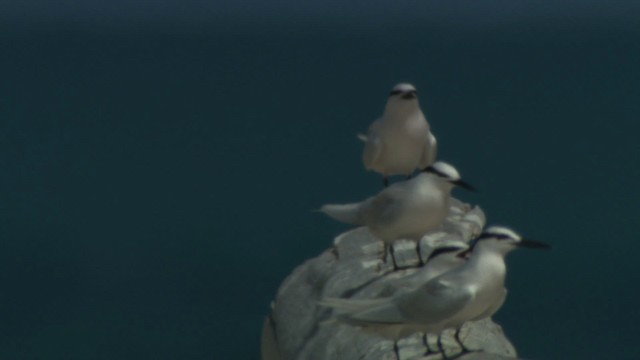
(354, 268)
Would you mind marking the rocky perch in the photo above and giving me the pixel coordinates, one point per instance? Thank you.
(353, 268)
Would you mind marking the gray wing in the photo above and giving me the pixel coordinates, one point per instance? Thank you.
(364, 312)
(385, 207)
(373, 147)
(434, 267)
(429, 152)
(435, 302)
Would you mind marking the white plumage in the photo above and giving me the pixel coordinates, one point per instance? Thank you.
(404, 210)
(471, 291)
(400, 141)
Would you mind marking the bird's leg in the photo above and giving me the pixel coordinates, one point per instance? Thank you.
(425, 341)
(396, 350)
(385, 181)
(457, 337)
(421, 261)
(441, 347)
(393, 257)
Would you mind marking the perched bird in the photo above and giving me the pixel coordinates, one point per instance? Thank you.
(440, 260)
(404, 210)
(400, 141)
(470, 292)
(350, 310)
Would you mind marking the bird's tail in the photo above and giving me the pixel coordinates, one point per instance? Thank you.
(347, 213)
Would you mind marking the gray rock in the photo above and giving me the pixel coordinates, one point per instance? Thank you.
(354, 268)
(405, 254)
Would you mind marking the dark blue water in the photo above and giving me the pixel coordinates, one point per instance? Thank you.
(156, 182)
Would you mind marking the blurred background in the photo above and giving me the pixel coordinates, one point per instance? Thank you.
(159, 161)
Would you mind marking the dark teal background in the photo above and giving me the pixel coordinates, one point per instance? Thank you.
(158, 164)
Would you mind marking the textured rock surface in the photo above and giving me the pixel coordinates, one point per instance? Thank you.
(353, 268)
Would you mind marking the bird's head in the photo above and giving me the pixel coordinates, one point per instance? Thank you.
(503, 240)
(447, 173)
(403, 91)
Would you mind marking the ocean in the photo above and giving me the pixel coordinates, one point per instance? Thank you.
(158, 182)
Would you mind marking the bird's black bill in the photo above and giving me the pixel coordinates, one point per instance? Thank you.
(532, 244)
(464, 185)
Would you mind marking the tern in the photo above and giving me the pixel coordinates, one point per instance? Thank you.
(400, 141)
(469, 292)
(404, 210)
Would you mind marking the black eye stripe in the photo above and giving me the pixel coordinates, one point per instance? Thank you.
(497, 236)
(443, 250)
(397, 92)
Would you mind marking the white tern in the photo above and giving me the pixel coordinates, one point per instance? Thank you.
(400, 141)
(470, 292)
(406, 209)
